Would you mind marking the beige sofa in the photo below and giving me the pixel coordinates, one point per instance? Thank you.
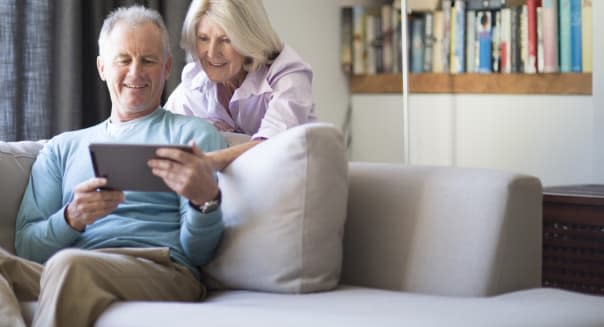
(422, 246)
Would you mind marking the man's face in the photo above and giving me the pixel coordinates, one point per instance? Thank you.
(135, 68)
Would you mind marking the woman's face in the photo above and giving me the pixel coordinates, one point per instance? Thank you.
(221, 62)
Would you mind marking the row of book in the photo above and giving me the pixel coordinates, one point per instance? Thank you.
(526, 36)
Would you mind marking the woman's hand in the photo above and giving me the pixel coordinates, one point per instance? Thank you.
(222, 126)
(91, 203)
(188, 174)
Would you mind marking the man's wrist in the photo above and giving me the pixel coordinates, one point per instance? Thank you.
(78, 227)
(208, 206)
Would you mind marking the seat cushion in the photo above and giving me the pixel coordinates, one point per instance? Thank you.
(16, 159)
(356, 306)
(284, 206)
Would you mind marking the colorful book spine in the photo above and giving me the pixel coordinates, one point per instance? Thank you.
(515, 43)
(428, 41)
(346, 39)
(550, 36)
(540, 54)
(496, 32)
(446, 7)
(483, 33)
(576, 56)
(471, 61)
(523, 38)
(506, 40)
(587, 35)
(437, 46)
(532, 5)
(397, 41)
(370, 35)
(417, 44)
(458, 27)
(387, 34)
(358, 40)
(565, 46)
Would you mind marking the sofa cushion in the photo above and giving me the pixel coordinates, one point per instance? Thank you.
(284, 206)
(16, 159)
(356, 306)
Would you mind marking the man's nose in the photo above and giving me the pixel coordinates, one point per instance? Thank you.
(135, 67)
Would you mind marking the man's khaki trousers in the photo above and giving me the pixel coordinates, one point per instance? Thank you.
(75, 286)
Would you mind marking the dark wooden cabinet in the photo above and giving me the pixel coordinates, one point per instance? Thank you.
(573, 238)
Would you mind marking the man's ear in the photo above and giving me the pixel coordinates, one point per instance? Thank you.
(100, 66)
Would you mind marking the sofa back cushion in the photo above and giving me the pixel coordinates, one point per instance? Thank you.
(16, 159)
(284, 206)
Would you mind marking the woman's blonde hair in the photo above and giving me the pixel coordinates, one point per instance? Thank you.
(246, 24)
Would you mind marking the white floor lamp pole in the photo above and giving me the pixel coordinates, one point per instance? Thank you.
(405, 73)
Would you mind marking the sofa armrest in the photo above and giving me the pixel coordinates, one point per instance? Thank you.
(442, 230)
(16, 159)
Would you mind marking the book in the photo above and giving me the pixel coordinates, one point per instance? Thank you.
(506, 40)
(531, 64)
(523, 38)
(496, 34)
(346, 39)
(446, 8)
(458, 28)
(515, 40)
(387, 33)
(369, 42)
(565, 46)
(417, 43)
(428, 41)
(358, 40)
(437, 45)
(471, 61)
(587, 35)
(540, 55)
(576, 56)
(397, 38)
(483, 33)
(550, 36)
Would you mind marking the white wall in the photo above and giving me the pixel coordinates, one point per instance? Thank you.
(312, 28)
(548, 136)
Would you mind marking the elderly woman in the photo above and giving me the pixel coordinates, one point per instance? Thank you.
(242, 78)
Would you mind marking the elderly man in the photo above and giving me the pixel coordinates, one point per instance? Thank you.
(81, 247)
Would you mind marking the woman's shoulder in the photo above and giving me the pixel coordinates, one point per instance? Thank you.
(288, 63)
(289, 60)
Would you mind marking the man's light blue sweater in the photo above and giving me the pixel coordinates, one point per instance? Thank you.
(144, 219)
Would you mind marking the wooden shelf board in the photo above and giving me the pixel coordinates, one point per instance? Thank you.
(526, 84)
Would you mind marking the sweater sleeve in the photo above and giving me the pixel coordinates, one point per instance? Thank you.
(200, 233)
(41, 229)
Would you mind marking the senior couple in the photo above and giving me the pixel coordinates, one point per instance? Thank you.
(80, 247)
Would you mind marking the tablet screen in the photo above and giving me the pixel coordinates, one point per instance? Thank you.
(125, 165)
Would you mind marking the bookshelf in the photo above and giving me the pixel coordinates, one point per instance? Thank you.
(519, 83)
(432, 83)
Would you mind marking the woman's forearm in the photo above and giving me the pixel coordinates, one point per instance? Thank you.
(222, 158)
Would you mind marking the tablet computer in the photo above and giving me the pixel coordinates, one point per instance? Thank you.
(125, 165)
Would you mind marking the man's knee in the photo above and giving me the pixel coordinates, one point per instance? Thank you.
(67, 261)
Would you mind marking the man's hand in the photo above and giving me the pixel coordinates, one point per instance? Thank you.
(90, 203)
(188, 174)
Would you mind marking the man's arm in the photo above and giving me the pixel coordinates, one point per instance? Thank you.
(41, 229)
(191, 176)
